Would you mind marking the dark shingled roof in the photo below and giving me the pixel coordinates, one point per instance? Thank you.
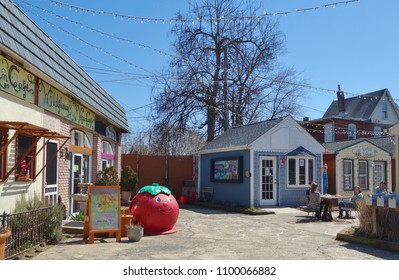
(241, 135)
(359, 107)
(21, 35)
(385, 143)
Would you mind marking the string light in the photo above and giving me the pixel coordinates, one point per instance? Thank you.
(194, 20)
(365, 97)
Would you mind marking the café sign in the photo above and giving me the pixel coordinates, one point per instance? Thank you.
(365, 152)
(58, 103)
(16, 81)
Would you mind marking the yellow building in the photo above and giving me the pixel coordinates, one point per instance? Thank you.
(362, 162)
(58, 127)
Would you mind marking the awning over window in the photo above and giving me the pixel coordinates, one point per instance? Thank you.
(27, 129)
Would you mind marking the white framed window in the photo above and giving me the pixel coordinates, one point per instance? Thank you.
(351, 131)
(300, 171)
(348, 174)
(377, 131)
(363, 171)
(107, 154)
(79, 138)
(328, 133)
(384, 111)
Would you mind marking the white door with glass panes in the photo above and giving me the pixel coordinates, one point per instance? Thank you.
(268, 181)
(378, 173)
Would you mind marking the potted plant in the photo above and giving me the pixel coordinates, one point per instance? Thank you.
(128, 182)
(4, 234)
(134, 232)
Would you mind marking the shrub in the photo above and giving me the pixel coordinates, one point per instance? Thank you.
(107, 177)
(128, 179)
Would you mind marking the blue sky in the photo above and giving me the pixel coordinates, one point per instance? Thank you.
(354, 45)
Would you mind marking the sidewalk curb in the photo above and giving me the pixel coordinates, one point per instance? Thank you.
(376, 243)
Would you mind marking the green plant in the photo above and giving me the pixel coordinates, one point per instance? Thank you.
(128, 179)
(78, 216)
(107, 177)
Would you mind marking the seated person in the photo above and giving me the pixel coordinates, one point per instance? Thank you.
(381, 189)
(315, 202)
(352, 203)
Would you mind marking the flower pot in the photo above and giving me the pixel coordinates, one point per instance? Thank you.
(126, 196)
(3, 241)
(134, 233)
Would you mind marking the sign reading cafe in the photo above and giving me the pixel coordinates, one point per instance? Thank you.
(365, 152)
(56, 102)
(16, 81)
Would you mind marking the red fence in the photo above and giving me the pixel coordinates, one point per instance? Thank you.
(168, 171)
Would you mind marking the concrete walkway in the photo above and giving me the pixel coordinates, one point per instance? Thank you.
(210, 234)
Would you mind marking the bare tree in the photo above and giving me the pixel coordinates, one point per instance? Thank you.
(162, 140)
(225, 72)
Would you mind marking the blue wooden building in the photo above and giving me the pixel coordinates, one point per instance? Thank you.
(269, 163)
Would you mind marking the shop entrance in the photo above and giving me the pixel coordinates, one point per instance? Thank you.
(268, 181)
(379, 173)
(79, 174)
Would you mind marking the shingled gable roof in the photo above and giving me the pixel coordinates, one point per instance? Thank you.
(21, 35)
(241, 136)
(359, 107)
(385, 143)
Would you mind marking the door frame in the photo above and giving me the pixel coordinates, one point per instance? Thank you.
(51, 196)
(268, 202)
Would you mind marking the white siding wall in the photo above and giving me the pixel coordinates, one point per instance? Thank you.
(13, 109)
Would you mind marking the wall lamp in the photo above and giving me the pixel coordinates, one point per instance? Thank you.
(64, 152)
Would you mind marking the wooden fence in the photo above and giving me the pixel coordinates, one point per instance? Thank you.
(169, 171)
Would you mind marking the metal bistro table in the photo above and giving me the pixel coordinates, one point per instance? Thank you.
(331, 198)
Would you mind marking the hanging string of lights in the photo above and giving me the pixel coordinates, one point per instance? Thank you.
(198, 19)
(102, 33)
(316, 89)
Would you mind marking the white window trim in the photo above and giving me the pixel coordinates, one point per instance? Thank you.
(352, 174)
(297, 160)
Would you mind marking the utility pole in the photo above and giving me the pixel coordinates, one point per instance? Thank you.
(226, 97)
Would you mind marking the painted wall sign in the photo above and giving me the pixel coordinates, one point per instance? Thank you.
(56, 102)
(16, 81)
(365, 152)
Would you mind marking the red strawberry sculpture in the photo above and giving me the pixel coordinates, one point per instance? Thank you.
(155, 209)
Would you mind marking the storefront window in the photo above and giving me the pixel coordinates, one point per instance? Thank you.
(300, 171)
(79, 138)
(26, 168)
(107, 155)
(363, 174)
(348, 174)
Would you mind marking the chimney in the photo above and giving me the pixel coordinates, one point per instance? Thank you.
(341, 100)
